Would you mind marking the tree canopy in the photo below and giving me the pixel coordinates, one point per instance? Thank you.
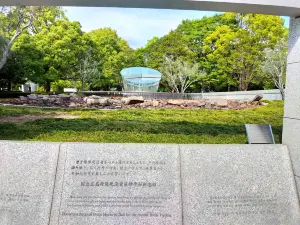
(224, 52)
(113, 54)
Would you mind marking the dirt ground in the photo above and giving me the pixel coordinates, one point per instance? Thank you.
(25, 118)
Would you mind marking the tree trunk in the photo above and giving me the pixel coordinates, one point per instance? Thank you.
(182, 90)
(202, 87)
(243, 86)
(282, 93)
(82, 85)
(48, 86)
(7, 49)
(9, 86)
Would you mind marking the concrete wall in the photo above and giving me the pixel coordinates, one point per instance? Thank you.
(236, 95)
(239, 95)
(276, 7)
(291, 125)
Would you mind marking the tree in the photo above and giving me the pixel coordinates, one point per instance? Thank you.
(172, 45)
(12, 72)
(89, 73)
(239, 52)
(24, 62)
(275, 64)
(3, 43)
(195, 32)
(62, 45)
(113, 54)
(180, 75)
(139, 57)
(17, 19)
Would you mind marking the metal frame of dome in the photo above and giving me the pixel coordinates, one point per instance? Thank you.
(140, 79)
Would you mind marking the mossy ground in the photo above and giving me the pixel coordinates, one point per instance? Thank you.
(144, 126)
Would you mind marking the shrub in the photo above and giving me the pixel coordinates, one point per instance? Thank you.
(12, 94)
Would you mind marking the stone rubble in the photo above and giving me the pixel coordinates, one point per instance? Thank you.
(134, 102)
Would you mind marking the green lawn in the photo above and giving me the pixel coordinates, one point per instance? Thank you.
(145, 126)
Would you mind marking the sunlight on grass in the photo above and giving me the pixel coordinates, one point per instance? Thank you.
(145, 126)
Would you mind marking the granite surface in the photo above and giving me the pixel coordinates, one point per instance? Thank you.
(27, 176)
(291, 138)
(297, 178)
(238, 185)
(118, 184)
(110, 184)
(292, 91)
(291, 122)
(294, 41)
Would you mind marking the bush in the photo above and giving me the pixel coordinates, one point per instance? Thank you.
(58, 86)
(12, 94)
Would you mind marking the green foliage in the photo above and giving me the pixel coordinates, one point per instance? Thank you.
(58, 86)
(3, 42)
(25, 56)
(28, 57)
(12, 72)
(60, 44)
(113, 54)
(49, 16)
(275, 65)
(238, 53)
(230, 47)
(12, 94)
(195, 32)
(139, 58)
(144, 126)
(179, 74)
(15, 20)
(89, 74)
(172, 45)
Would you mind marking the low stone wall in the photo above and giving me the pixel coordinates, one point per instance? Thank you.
(235, 95)
(244, 95)
(134, 102)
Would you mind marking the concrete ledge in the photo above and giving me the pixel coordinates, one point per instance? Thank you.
(275, 7)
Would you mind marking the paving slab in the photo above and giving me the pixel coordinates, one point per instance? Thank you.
(110, 184)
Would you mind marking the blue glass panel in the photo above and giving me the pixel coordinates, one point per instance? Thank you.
(140, 79)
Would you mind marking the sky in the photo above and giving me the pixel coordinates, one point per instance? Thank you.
(137, 26)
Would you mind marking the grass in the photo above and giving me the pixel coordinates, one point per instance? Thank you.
(144, 126)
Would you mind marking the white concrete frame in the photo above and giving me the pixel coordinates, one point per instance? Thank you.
(275, 7)
(291, 128)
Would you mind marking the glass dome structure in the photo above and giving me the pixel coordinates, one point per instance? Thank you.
(140, 79)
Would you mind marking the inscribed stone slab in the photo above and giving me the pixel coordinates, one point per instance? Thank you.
(27, 176)
(238, 185)
(109, 184)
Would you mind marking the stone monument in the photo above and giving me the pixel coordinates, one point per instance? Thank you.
(27, 177)
(238, 184)
(108, 184)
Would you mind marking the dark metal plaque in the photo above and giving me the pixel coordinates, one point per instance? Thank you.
(259, 134)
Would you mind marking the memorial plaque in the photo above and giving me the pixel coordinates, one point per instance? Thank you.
(27, 176)
(259, 134)
(109, 184)
(238, 185)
